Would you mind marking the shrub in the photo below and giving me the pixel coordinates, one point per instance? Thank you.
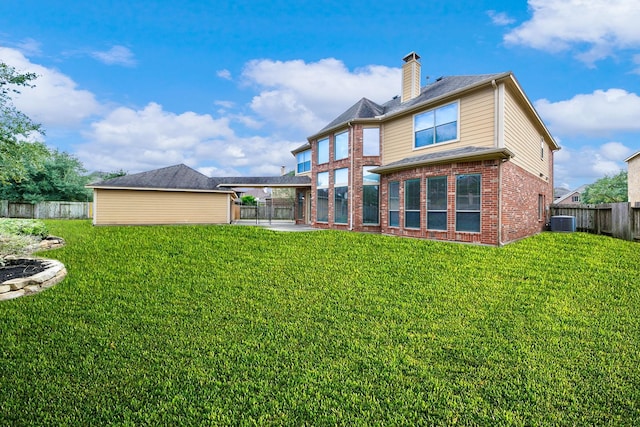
(24, 227)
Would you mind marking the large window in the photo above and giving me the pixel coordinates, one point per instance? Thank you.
(437, 203)
(371, 141)
(412, 203)
(322, 200)
(394, 204)
(341, 146)
(436, 126)
(370, 196)
(304, 161)
(468, 203)
(341, 196)
(323, 151)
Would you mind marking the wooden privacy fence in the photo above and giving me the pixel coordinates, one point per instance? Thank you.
(46, 210)
(620, 220)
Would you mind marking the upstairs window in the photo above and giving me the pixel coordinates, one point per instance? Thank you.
(304, 161)
(371, 141)
(341, 146)
(436, 126)
(323, 151)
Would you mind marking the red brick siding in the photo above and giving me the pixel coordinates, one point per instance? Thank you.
(489, 201)
(520, 191)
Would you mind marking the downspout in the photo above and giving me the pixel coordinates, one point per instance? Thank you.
(350, 184)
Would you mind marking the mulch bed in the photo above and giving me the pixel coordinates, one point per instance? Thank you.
(18, 268)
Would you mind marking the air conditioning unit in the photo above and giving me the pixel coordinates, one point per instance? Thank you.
(563, 223)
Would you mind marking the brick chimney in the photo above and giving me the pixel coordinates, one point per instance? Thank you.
(410, 77)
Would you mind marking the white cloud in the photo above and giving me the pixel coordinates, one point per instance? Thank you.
(587, 164)
(55, 100)
(117, 55)
(224, 74)
(599, 113)
(500, 18)
(149, 138)
(603, 26)
(306, 96)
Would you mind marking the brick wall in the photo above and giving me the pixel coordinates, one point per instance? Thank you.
(521, 191)
(489, 216)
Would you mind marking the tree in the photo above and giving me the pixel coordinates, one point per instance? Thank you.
(248, 200)
(609, 189)
(60, 179)
(16, 128)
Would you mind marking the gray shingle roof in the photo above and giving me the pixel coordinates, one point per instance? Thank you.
(182, 177)
(367, 109)
(478, 153)
(171, 177)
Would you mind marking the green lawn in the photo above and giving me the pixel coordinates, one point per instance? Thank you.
(225, 325)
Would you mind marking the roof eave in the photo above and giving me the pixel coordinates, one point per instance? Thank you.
(376, 119)
(190, 190)
(491, 154)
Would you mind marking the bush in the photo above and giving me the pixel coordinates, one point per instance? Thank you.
(18, 236)
(23, 227)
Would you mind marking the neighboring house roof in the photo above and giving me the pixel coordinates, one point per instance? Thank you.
(182, 177)
(570, 194)
(633, 156)
(458, 154)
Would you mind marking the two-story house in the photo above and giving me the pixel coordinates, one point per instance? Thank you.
(465, 158)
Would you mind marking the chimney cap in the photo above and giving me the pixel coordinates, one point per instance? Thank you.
(411, 56)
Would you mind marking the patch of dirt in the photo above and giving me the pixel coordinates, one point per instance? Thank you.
(18, 268)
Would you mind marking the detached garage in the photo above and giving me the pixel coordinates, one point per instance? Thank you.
(171, 195)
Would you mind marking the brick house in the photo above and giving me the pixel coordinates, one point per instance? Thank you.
(465, 158)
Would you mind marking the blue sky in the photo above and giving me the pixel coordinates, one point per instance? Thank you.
(230, 88)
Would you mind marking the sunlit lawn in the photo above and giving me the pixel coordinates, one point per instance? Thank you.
(236, 325)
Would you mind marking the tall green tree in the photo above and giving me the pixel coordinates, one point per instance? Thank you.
(16, 152)
(62, 178)
(609, 189)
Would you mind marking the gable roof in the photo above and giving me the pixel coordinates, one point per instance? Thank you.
(571, 193)
(442, 87)
(182, 177)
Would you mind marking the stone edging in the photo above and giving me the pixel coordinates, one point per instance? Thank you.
(54, 273)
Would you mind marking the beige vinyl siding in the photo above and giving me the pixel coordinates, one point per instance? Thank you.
(136, 207)
(476, 124)
(523, 138)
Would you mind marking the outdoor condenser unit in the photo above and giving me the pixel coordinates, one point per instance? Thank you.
(564, 223)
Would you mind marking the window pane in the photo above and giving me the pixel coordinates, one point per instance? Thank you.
(394, 195)
(323, 180)
(370, 204)
(447, 132)
(369, 178)
(341, 177)
(322, 205)
(424, 121)
(437, 221)
(468, 221)
(412, 219)
(371, 141)
(437, 193)
(468, 192)
(424, 137)
(394, 218)
(341, 205)
(323, 151)
(447, 114)
(412, 194)
(341, 145)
